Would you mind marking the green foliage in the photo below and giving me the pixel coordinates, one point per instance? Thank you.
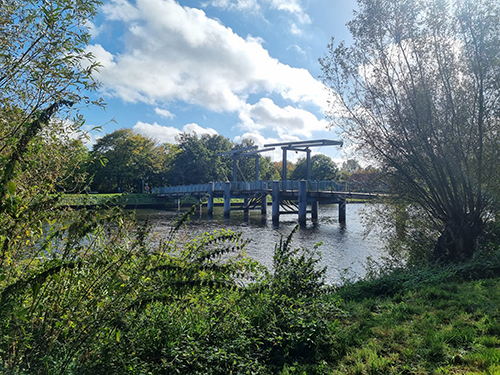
(197, 163)
(418, 87)
(90, 282)
(322, 168)
(123, 160)
(295, 271)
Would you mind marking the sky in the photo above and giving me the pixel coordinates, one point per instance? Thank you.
(238, 68)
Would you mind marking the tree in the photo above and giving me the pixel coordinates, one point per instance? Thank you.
(124, 160)
(419, 89)
(350, 166)
(197, 161)
(322, 168)
(44, 71)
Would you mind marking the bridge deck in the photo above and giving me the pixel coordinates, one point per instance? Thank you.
(323, 190)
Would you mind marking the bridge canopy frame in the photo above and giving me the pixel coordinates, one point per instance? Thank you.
(245, 152)
(302, 146)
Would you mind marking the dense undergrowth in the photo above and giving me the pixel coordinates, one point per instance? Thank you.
(101, 297)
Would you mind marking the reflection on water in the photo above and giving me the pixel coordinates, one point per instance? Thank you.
(343, 247)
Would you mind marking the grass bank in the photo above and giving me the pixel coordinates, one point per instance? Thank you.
(435, 321)
(127, 200)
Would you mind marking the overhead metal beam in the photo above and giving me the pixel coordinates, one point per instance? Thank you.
(302, 146)
(245, 152)
(237, 151)
(312, 143)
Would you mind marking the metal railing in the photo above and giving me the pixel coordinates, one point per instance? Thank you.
(333, 186)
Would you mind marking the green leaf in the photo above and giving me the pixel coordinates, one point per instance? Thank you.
(12, 187)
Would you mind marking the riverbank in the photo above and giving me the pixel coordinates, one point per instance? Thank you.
(138, 200)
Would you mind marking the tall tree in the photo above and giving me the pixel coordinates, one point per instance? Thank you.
(350, 166)
(197, 161)
(44, 73)
(124, 161)
(44, 70)
(419, 91)
(322, 168)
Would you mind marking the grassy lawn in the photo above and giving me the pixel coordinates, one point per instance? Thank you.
(110, 199)
(447, 328)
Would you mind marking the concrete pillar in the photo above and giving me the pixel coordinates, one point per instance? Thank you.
(342, 211)
(227, 199)
(315, 210)
(210, 203)
(276, 202)
(245, 205)
(263, 205)
(302, 202)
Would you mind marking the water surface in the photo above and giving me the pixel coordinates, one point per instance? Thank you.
(344, 249)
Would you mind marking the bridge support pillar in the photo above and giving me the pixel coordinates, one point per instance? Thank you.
(227, 199)
(315, 210)
(210, 203)
(276, 202)
(342, 211)
(263, 205)
(246, 208)
(302, 202)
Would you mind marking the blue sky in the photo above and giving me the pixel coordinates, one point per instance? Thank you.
(239, 68)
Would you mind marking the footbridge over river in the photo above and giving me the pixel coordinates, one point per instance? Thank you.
(287, 197)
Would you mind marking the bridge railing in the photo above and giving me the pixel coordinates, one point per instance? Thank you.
(268, 185)
(250, 185)
(186, 189)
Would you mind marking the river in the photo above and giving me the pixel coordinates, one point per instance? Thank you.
(344, 249)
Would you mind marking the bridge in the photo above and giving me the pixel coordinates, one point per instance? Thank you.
(287, 197)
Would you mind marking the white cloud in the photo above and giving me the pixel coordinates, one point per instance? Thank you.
(291, 6)
(178, 53)
(297, 49)
(295, 30)
(239, 5)
(168, 134)
(120, 10)
(93, 29)
(164, 113)
(289, 122)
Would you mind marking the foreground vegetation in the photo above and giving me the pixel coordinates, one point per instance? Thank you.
(91, 293)
(106, 298)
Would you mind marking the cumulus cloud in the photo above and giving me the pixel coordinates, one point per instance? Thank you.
(168, 134)
(164, 113)
(177, 53)
(293, 7)
(239, 5)
(289, 122)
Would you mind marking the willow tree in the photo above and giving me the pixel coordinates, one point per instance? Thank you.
(418, 91)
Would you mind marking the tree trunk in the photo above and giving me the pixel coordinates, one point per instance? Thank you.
(457, 242)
